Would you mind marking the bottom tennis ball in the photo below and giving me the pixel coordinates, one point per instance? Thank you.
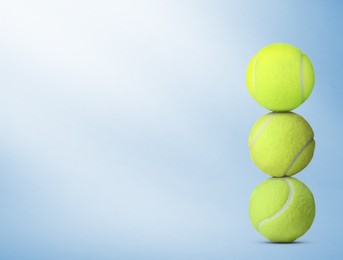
(282, 209)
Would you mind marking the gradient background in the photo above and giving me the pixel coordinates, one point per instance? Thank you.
(124, 124)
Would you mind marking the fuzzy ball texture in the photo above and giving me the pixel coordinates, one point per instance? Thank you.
(281, 144)
(282, 209)
(280, 77)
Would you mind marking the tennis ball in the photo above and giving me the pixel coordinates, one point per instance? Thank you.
(281, 144)
(282, 209)
(280, 77)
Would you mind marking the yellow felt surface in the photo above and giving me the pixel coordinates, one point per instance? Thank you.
(267, 199)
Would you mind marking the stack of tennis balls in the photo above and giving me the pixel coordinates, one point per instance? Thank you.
(280, 78)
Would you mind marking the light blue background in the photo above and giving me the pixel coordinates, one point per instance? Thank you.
(123, 128)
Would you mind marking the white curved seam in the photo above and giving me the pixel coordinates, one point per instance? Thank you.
(261, 130)
(297, 156)
(254, 77)
(302, 78)
(284, 207)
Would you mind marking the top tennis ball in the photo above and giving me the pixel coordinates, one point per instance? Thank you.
(280, 77)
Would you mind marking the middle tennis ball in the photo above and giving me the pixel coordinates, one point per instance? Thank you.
(281, 144)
